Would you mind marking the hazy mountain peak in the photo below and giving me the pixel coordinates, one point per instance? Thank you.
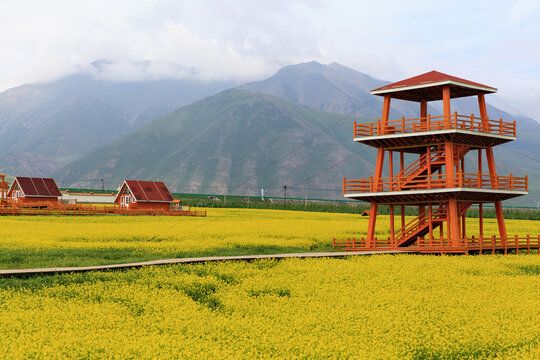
(135, 71)
(229, 138)
(64, 119)
(334, 88)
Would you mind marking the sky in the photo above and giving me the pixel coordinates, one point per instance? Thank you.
(492, 42)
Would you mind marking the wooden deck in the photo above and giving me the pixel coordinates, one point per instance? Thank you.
(472, 245)
(195, 260)
(437, 181)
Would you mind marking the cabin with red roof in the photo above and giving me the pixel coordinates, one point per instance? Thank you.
(33, 191)
(144, 195)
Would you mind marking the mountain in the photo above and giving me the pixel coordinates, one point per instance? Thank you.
(44, 126)
(333, 88)
(243, 139)
(342, 90)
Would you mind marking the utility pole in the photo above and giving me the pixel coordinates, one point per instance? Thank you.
(102, 185)
(285, 191)
(305, 197)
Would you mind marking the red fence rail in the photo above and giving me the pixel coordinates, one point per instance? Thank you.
(54, 208)
(433, 123)
(436, 181)
(432, 245)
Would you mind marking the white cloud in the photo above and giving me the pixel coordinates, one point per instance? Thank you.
(488, 41)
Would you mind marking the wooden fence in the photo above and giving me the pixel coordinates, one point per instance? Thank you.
(465, 245)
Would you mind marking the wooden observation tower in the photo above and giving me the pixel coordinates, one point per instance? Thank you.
(425, 160)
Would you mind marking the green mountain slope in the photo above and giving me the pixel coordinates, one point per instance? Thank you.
(239, 139)
(247, 141)
(49, 124)
(342, 90)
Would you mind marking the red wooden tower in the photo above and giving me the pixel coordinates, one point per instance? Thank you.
(431, 175)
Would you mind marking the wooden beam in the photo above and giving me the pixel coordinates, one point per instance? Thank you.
(489, 150)
(446, 106)
(378, 168)
(423, 112)
(391, 164)
(402, 216)
(392, 230)
(492, 169)
(483, 111)
(385, 112)
(401, 167)
(481, 219)
(500, 220)
(373, 212)
(449, 163)
(463, 226)
(371, 225)
(391, 175)
(430, 215)
(453, 221)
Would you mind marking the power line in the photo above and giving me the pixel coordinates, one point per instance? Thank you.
(211, 186)
(511, 107)
(520, 153)
(330, 167)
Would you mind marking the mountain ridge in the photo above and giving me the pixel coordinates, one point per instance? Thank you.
(62, 120)
(224, 148)
(254, 131)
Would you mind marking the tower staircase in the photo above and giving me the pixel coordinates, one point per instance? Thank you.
(427, 164)
(419, 226)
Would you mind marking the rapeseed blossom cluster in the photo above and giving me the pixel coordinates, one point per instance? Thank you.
(378, 307)
(53, 241)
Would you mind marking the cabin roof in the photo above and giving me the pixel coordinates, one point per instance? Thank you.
(36, 187)
(147, 191)
(428, 87)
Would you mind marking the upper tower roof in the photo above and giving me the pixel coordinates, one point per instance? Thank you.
(428, 87)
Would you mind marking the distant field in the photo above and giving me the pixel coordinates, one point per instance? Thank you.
(378, 307)
(28, 241)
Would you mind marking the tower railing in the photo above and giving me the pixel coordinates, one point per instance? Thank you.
(436, 181)
(434, 123)
(481, 245)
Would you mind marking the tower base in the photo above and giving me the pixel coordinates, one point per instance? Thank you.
(472, 245)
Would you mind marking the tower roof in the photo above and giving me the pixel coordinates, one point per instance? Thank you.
(428, 87)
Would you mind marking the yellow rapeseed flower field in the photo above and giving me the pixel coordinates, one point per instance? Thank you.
(75, 241)
(373, 307)
(378, 307)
